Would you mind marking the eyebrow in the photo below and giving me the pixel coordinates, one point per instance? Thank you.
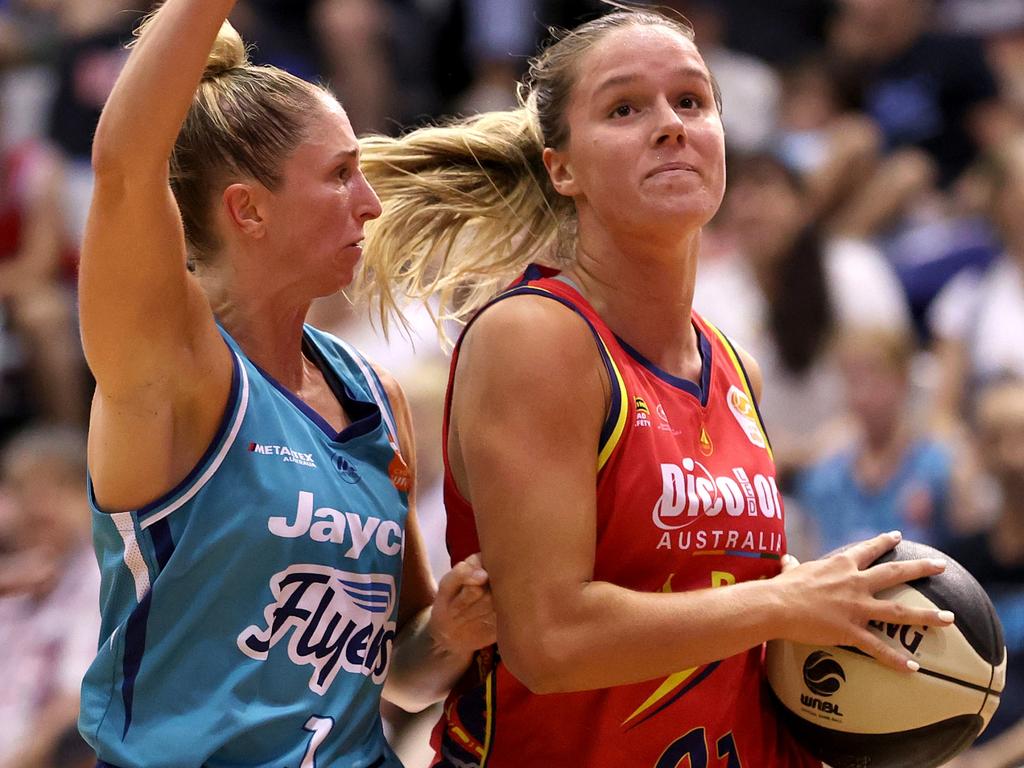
(347, 154)
(616, 80)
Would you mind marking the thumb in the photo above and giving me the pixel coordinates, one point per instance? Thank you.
(789, 563)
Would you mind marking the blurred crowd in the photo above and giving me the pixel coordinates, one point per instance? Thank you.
(869, 253)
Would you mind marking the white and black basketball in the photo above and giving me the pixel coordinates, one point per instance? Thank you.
(852, 712)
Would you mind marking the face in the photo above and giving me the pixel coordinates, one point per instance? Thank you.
(646, 150)
(50, 506)
(316, 217)
(1000, 434)
(765, 213)
(876, 390)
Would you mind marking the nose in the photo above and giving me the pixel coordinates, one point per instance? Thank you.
(367, 204)
(670, 127)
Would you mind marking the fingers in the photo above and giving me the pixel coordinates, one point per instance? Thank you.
(897, 613)
(789, 563)
(890, 574)
(866, 552)
(883, 653)
(468, 572)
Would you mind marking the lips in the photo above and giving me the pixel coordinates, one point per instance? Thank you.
(669, 167)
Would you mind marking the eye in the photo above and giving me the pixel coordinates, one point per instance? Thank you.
(689, 102)
(622, 110)
(345, 172)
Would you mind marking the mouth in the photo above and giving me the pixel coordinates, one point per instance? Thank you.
(673, 168)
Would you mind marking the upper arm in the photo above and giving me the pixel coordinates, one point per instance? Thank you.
(163, 373)
(529, 401)
(418, 587)
(145, 320)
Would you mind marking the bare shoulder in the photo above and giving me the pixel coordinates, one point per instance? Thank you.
(753, 369)
(531, 335)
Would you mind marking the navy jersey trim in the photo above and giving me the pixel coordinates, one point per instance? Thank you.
(134, 647)
(365, 415)
(138, 620)
(616, 399)
(700, 391)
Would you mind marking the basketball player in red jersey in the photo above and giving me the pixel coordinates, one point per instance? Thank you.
(603, 441)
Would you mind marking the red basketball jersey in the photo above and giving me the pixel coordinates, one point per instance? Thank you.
(686, 499)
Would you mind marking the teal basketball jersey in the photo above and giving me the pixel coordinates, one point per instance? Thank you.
(249, 614)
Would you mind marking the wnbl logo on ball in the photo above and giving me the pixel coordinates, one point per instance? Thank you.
(333, 619)
(823, 676)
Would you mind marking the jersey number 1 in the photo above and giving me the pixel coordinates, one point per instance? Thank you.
(319, 727)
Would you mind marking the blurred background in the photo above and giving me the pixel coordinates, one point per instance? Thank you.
(869, 253)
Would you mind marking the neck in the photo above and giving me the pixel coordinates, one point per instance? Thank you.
(880, 454)
(887, 437)
(643, 289)
(267, 326)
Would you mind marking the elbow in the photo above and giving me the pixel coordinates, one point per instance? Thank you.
(539, 659)
(108, 154)
(119, 160)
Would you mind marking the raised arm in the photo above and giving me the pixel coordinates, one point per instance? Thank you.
(529, 399)
(147, 328)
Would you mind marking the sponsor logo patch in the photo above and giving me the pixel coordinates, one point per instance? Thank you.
(287, 454)
(746, 415)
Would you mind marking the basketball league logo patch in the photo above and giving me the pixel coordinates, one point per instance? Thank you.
(743, 409)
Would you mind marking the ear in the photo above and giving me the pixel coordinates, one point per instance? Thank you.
(560, 172)
(242, 204)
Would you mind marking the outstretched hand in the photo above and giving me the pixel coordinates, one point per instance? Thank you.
(831, 601)
(463, 617)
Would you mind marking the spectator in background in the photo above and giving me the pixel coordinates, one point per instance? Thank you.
(978, 319)
(783, 289)
(90, 57)
(852, 184)
(375, 54)
(750, 88)
(923, 89)
(887, 477)
(501, 34)
(41, 363)
(996, 558)
(49, 619)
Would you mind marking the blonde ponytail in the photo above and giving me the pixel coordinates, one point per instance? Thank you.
(466, 207)
(469, 204)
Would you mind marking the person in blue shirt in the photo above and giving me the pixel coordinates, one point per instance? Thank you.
(251, 478)
(888, 475)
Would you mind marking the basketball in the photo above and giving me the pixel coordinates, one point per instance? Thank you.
(852, 712)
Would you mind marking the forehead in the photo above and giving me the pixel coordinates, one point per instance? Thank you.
(329, 129)
(638, 52)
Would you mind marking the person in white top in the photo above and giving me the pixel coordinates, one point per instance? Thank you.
(777, 285)
(978, 319)
(49, 592)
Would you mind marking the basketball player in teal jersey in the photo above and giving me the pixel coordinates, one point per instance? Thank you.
(250, 477)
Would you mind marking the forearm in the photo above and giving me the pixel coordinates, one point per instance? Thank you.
(591, 639)
(422, 669)
(148, 105)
